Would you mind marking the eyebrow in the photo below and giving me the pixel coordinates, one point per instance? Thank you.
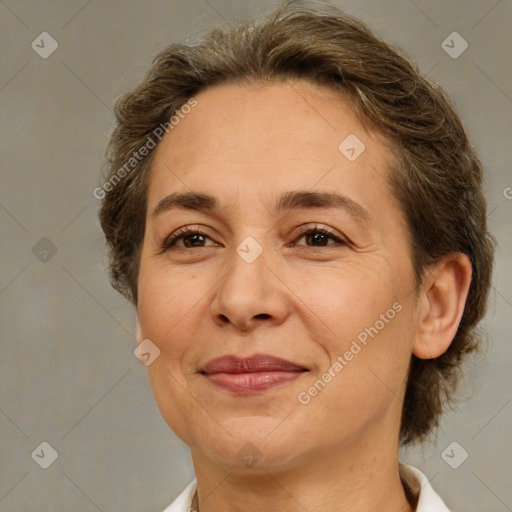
(293, 200)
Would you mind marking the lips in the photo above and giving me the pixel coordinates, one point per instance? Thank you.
(256, 363)
(251, 375)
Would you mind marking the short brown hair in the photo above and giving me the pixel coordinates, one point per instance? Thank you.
(436, 175)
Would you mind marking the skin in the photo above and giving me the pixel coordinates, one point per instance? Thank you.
(304, 299)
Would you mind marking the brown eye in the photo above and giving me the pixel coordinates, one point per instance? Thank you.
(319, 237)
(192, 238)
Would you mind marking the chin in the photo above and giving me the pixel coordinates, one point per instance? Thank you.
(247, 445)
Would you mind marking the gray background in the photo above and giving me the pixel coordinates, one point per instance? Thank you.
(67, 369)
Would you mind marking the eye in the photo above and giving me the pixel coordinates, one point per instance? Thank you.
(191, 238)
(319, 235)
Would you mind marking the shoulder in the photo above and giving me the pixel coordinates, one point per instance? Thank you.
(183, 502)
(420, 491)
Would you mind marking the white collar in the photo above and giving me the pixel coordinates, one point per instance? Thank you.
(415, 481)
(419, 486)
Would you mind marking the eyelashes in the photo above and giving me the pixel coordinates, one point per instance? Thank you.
(197, 235)
(182, 233)
(326, 233)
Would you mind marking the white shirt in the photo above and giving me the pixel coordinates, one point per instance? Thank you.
(415, 480)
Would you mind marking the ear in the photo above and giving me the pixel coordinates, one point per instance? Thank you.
(138, 331)
(441, 305)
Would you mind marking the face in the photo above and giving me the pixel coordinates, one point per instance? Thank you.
(301, 254)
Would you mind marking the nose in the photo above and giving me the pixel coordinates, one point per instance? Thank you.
(251, 294)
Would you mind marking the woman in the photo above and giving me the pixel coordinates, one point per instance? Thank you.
(297, 216)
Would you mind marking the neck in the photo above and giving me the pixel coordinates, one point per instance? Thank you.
(351, 477)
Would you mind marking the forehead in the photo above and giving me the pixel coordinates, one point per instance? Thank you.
(242, 120)
(269, 139)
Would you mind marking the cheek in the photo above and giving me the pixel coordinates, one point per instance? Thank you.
(176, 405)
(166, 300)
(386, 347)
(166, 318)
(370, 316)
(366, 379)
(349, 300)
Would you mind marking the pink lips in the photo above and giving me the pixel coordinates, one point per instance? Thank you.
(251, 375)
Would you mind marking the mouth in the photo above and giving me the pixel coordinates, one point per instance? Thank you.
(252, 375)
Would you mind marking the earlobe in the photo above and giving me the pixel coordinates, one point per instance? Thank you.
(442, 301)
